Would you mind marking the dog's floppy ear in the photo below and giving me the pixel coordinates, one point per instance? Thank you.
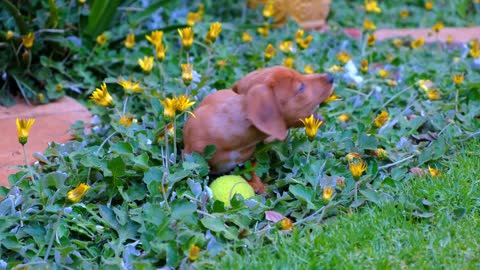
(264, 113)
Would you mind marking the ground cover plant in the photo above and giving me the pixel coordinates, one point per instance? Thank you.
(122, 195)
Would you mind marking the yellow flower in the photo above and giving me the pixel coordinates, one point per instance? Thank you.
(397, 42)
(182, 103)
(186, 34)
(371, 40)
(304, 43)
(404, 13)
(357, 168)
(418, 43)
(129, 41)
(434, 94)
(391, 82)
(458, 78)
(169, 107)
(327, 193)
(101, 96)
(102, 39)
(364, 65)
(125, 120)
(353, 155)
(76, 194)
(263, 30)
(426, 84)
(311, 126)
(269, 52)
(41, 97)
(146, 63)
(82, 1)
(331, 98)
(246, 37)
(286, 224)
(437, 27)
(268, 9)
(428, 5)
(187, 76)
(433, 172)
(23, 129)
(369, 25)
(343, 117)
(288, 62)
(221, 63)
(381, 153)
(213, 32)
(286, 46)
(308, 69)
(28, 40)
(343, 57)
(449, 39)
(372, 6)
(381, 119)
(160, 51)
(383, 73)
(335, 69)
(193, 17)
(155, 37)
(59, 88)
(299, 35)
(129, 86)
(9, 35)
(475, 48)
(193, 252)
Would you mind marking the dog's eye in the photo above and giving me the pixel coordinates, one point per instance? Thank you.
(301, 88)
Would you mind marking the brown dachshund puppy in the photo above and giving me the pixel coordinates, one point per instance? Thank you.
(260, 107)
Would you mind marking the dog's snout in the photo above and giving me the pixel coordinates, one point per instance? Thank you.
(330, 79)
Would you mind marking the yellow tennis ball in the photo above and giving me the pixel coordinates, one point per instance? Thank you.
(225, 187)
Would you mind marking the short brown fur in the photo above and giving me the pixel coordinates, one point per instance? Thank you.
(260, 107)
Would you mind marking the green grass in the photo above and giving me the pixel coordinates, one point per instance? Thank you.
(388, 236)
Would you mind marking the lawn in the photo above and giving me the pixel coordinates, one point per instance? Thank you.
(389, 180)
(386, 236)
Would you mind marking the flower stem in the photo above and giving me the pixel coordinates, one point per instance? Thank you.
(26, 161)
(456, 100)
(174, 141)
(98, 150)
(125, 102)
(47, 253)
(167, 159)
(309, 151)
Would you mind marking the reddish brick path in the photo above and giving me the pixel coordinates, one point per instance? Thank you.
(52, 123)
(459, 34)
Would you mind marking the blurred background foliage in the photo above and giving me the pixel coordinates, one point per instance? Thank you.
(60, 61)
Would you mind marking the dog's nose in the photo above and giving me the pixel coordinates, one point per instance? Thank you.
(330, 79)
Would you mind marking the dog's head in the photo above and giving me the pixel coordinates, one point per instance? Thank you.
(278, 97)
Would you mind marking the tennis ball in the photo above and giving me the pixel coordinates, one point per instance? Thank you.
(225, 187)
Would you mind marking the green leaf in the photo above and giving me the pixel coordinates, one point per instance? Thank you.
(141, 161)
(372, 196)
(304, 194)
(146, 13)
(366, 141)
(423, 214)
(153, 174)
(101, 16)
(108, 215)
(122, 148)
(182, 209)
(117, 167)
(209, 151)
(218, 225)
